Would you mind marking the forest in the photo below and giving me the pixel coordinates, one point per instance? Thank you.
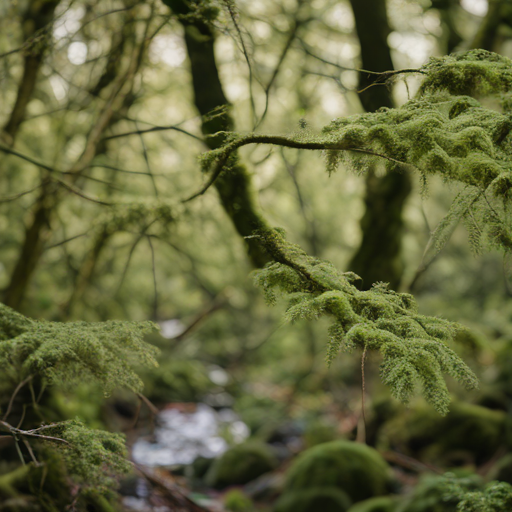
(256, 256)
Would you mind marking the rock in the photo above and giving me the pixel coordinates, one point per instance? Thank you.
(355, 468)
(467, 434)
(320, 499)
(240, 465)
(318, 433)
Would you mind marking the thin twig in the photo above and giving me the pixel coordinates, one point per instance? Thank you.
(31, 433)
(361, 433)
(7, 199)
(153, 266)
(154, 129)
(13, 396)
(230, 7)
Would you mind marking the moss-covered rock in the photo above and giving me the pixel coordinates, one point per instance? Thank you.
(240, 465)
(236, 501)
(318, 433)
(467, 434)
(378, 504)
(321, 499)
(355, 468)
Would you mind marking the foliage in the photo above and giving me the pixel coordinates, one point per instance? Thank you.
(444, 131)
(434, 494)
(496, 497)
(328, 499)
(93, 456)
(241, 464)
(414, 347)
(66, 354)
(71, 352)
(355, 468)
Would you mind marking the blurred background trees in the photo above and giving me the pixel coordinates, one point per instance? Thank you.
(105, 107)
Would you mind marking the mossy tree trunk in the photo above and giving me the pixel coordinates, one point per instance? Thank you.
(379, 256)
(40, 225)
(234, 187)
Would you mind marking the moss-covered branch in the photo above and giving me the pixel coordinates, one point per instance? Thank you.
(414, 347)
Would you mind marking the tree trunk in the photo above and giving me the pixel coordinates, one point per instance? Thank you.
(379, 256)
(235, 186)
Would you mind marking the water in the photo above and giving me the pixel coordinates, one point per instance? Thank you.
(182, 436)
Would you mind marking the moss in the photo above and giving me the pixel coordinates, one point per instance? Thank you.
(236, 501)
(378, 504)
(325, 499)
(468, 434)
(240, 465)
(319, 433)
(355, 468)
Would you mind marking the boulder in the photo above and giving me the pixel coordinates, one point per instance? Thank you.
(320, 499)
(240, 465)
(355, 468)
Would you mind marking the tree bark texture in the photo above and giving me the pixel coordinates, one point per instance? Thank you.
(234, 186)
(379, 256)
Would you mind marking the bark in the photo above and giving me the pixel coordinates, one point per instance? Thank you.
(379, 256)
(485, 38)
(235, 186)
(448, 13)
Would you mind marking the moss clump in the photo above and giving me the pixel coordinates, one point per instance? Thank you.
(319, 433)
(324, 499)
(240, 465)
(379, 504)
(355, 468)
(236, 501)
(470, 431)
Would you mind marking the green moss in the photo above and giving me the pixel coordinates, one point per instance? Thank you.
(355, 468)
(319, 433)
(379, 504)
(236, 501)
(470, 431)
(324, 499)
(240, 465)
